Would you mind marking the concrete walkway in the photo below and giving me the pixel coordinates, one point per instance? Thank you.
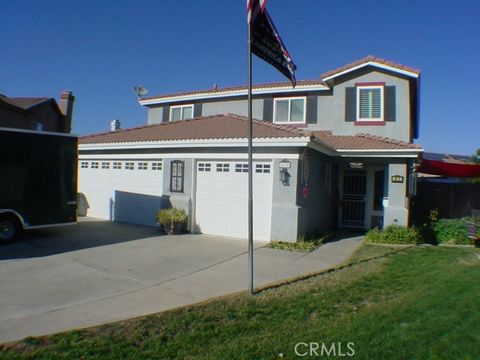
(98, 272)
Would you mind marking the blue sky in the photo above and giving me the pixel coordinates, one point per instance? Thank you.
(100, 49)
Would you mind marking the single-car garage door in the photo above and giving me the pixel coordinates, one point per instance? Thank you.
(221, 198)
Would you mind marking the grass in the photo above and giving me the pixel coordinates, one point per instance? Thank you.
(300, 245)
(415, 303)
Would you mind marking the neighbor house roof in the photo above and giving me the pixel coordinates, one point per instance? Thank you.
(24, 102)
(230, 126)
(449, 165)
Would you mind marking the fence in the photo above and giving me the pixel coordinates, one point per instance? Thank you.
(453, 200)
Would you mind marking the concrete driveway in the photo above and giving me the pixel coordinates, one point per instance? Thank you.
(96, 272)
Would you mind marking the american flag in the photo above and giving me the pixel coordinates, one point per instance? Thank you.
(265, 39)
(254, 7)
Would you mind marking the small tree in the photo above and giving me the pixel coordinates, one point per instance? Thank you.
(476, 159)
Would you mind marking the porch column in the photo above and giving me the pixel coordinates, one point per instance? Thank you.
(396, 211)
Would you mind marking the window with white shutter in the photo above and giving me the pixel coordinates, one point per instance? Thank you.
(370, 103)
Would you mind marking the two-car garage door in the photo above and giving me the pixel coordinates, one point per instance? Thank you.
(221, 198)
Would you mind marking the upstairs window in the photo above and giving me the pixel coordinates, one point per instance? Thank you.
(181, 112)
(289, 110)
(370, 103)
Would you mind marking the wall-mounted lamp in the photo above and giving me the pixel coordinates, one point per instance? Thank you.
(356, 165)
(284, 165)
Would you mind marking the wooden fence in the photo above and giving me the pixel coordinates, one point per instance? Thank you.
(452, 200)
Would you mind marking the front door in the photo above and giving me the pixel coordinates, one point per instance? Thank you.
(354, 190)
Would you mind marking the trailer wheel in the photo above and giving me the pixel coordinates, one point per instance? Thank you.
(9, 229)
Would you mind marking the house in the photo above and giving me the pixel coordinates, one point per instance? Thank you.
(43, 114)
(333, 152)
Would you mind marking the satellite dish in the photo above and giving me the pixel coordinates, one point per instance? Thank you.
(140, 91)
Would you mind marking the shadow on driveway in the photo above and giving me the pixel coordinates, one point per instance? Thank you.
(87, 233)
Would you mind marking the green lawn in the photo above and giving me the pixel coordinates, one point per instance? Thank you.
(415, 303)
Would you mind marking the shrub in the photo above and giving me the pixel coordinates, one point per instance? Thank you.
(427, 227)
(394, 234)
(452, 231)
(302, 244)
(374, 236)
(172, 219)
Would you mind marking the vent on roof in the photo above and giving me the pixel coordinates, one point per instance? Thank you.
(115, 125)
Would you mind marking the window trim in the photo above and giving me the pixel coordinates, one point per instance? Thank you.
(182, 177)
(181, 107)
(275, 100)
(368, 86)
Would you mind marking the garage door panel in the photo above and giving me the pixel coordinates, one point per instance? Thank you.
(132, 196)
(221, 201)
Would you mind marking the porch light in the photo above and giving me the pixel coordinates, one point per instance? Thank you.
(284, 165)
(356, 165)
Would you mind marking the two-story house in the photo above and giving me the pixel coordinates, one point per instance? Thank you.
(37, 113)
(333, 152)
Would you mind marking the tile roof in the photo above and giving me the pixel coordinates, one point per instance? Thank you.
(361, 142)
(369, 58)
(449, 158)
(281, 85)
(230, 126)
(229, 89)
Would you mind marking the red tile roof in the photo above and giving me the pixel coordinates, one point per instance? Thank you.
(300, 83)
(232, 126)
(361, 141)
(369, 58)
(237, 88)
(227, 126)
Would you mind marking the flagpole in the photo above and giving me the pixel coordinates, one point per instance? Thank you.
(250, 167)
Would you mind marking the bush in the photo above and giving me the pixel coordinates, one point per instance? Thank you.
(452, 231)
(427, 227)
(172, 219)
(306, 245)
(394, 234)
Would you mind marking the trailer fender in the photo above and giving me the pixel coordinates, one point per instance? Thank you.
(14, 213)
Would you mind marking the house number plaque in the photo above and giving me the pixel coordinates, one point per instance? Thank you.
(397, 179)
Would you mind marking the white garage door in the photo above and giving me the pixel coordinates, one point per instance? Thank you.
(122, 190)
(221, 198)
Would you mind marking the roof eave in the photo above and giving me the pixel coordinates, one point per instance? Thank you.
(375, 64)
(200, 143)
(383, 153)
(233, 93)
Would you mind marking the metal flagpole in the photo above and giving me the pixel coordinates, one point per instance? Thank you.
(250, 166)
